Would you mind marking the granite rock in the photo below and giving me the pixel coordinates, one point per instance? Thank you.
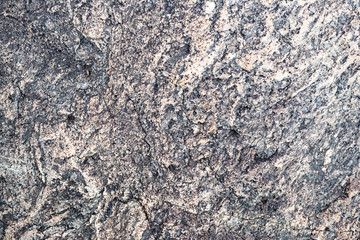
(199, 119)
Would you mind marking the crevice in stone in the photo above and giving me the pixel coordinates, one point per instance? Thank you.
(143, 209)
(136, 108)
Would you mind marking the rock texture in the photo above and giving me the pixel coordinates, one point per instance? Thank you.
(158, 119)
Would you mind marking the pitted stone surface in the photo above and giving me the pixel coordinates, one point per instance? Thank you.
(216, 119)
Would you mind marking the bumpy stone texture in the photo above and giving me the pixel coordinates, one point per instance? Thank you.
(190, 119)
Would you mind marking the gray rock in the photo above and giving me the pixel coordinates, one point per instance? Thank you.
(179, 119)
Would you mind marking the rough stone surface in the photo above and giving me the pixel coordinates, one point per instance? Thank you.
(193, 119)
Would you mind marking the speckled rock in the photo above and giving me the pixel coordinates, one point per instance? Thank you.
(217, 119)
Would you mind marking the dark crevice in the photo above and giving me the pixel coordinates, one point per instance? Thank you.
(137, 110)
(143, 209)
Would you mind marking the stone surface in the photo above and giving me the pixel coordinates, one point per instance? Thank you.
(190, 119)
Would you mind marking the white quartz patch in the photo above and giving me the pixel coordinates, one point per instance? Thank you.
(209, 7)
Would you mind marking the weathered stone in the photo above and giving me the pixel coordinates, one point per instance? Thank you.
(179, 119)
